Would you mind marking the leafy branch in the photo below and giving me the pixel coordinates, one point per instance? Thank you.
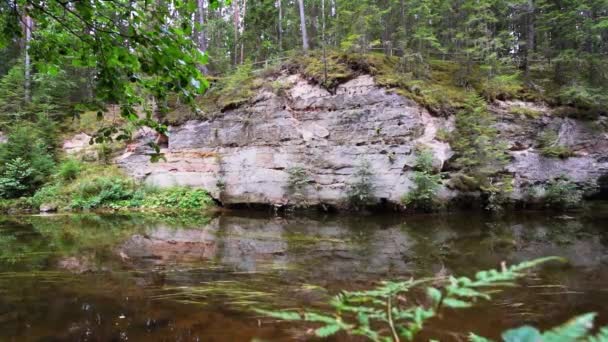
(385, 314)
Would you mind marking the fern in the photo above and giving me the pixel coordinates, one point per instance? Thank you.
(383, 313)
(576, 329)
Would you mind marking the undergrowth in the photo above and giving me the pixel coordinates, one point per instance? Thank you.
(79, 186)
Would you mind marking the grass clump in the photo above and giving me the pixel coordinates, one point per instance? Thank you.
(313, 68)
(549, 145)
(526, 112)
(230, 91)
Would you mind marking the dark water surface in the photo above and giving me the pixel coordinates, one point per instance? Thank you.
(150, 278)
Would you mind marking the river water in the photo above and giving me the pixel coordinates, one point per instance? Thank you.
(152, 277)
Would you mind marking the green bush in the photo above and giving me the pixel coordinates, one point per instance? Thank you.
(502, 87)
(562, 193)
(479, 152)
(361, 192)
(30, 144)
(426, 183)
(177, 198)
(101, 192)
(16, 178)
(69, 169)
(297, 180)
(50, 193)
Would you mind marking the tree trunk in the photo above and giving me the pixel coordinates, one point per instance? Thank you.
(303, 25)
(323, 41)
(237, 20)
(202, 36)
(27, 64)
(280, 25)
(530, 35)
(243, 14)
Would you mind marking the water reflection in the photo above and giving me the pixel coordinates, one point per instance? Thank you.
(144, 277)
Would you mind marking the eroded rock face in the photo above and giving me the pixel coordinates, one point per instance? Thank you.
(77, 144)
(245, 154)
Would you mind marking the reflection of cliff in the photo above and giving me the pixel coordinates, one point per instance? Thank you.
(341, 249)
(332, 250)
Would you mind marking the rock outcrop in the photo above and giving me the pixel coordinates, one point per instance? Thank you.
(245, 155)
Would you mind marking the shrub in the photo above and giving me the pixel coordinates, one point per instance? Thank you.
(297, 180)
(426, 183)
(102, 191)
(583, 96)
(361, 192)
(47, 194)
(32, 144)
(16, 178)
(479, 152)
(177, 198)
(562, 193)
(104, 152)
(496, 195)
(69, 169)
(502, 87)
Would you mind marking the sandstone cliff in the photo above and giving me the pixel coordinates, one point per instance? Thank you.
(245, 154)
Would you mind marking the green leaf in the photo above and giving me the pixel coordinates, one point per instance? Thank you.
(434, 294)
(284, 315)
(476, 338)
(315, 317)
(328, 330)
(456, 303)
(522, 334)
(572, 330)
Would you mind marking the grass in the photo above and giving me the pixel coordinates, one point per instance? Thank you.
(524, 111)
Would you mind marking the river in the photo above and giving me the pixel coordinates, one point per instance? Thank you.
(154, 277)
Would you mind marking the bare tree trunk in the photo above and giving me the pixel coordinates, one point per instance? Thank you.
(237, 20)
(323, 41)
(243, 14)
(303, 25)
(530, 36)
(202, 36)
(27, 64)
(280, 24)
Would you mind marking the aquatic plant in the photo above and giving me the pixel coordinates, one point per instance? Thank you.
(385, 314)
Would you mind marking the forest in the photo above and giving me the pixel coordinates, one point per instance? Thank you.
(298, 169)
